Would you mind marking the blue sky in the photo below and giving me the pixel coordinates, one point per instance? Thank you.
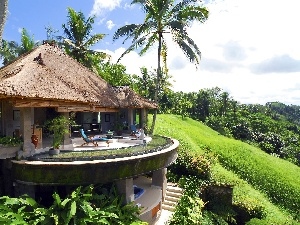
(35, 15)
(249, 48)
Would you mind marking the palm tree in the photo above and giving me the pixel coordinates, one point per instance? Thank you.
(10, 49)
(3, 14)
(79, 39)
(164, 17)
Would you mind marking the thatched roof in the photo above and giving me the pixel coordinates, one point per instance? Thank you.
(129, 99)
(47, 73)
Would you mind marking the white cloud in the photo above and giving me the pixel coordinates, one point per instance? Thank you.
(133, 61)
(100, 6)
(110, 24)
(249, 49)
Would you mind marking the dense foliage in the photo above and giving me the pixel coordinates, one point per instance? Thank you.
(10, 50)
(82, 206)
(162, 19)
(78, 39)
(10, 141)
(265, 187)
(274, 127)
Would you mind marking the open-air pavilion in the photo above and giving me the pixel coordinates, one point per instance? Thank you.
(46, 82)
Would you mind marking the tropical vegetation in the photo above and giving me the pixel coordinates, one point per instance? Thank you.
(252, 147)
(273, 127)
(79, 39)
(59, 126)
(10, 50)
(266, 189)
(162, 18)
(84, 205)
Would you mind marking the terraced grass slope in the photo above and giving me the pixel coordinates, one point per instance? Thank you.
(261, 180)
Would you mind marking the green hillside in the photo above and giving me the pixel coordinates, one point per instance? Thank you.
(261, 180)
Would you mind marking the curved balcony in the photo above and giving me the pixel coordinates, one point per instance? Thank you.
(93, 171)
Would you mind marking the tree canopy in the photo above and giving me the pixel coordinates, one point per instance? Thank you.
(164, 17)
(79, 39)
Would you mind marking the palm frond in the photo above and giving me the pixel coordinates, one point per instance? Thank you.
(177, 26)
(143, 29)
(151, 40)
(99, 55)
(187, 50)
(127, 30)
(69, 43)
(133, 46)
(93, 40)
(182, 4)
(141, 2)
(193, 45)
(67, 32)
(194, 13)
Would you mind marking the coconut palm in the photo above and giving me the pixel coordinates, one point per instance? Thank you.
(79, 39)
(164, 17)
(10, 49)
(3, 14)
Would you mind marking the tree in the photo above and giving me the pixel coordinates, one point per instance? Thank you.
(164, 17)
(144, 84)
(79, 39)
(3, 14)
(11, 49)
(8, 51)
(114, 74)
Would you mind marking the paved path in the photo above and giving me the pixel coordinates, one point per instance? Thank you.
(164, 217)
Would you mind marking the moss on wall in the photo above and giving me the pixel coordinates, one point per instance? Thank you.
(91, 173)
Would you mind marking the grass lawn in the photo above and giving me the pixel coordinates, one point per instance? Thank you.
(261, 181)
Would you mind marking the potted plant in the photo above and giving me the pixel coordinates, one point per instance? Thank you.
(60, 127)
(118, 128)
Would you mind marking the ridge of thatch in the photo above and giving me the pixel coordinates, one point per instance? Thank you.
(129, 99)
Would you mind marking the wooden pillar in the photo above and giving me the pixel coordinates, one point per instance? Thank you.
(143, 118)
(130, 117)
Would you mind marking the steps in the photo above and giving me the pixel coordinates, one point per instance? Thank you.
(173, 194)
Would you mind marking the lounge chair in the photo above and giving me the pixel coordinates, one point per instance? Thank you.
(133, 130)
(92, 139)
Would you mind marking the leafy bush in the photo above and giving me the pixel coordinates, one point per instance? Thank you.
(241, 131)
(10, 141)
(82, 206)
(272, 143)
(189, 208)
(276, 181)
(187, 164)
(256, 221)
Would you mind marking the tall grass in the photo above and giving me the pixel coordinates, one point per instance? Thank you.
(274, 178)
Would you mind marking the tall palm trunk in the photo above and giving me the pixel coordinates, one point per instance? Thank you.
(157, 85)
(3, 14)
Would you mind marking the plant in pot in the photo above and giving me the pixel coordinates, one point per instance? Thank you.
(118, 128)
(60, 127)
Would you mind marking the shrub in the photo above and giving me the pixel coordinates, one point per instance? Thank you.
(189, 208)
(188, 164)
(82, 206)
(10, 141)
